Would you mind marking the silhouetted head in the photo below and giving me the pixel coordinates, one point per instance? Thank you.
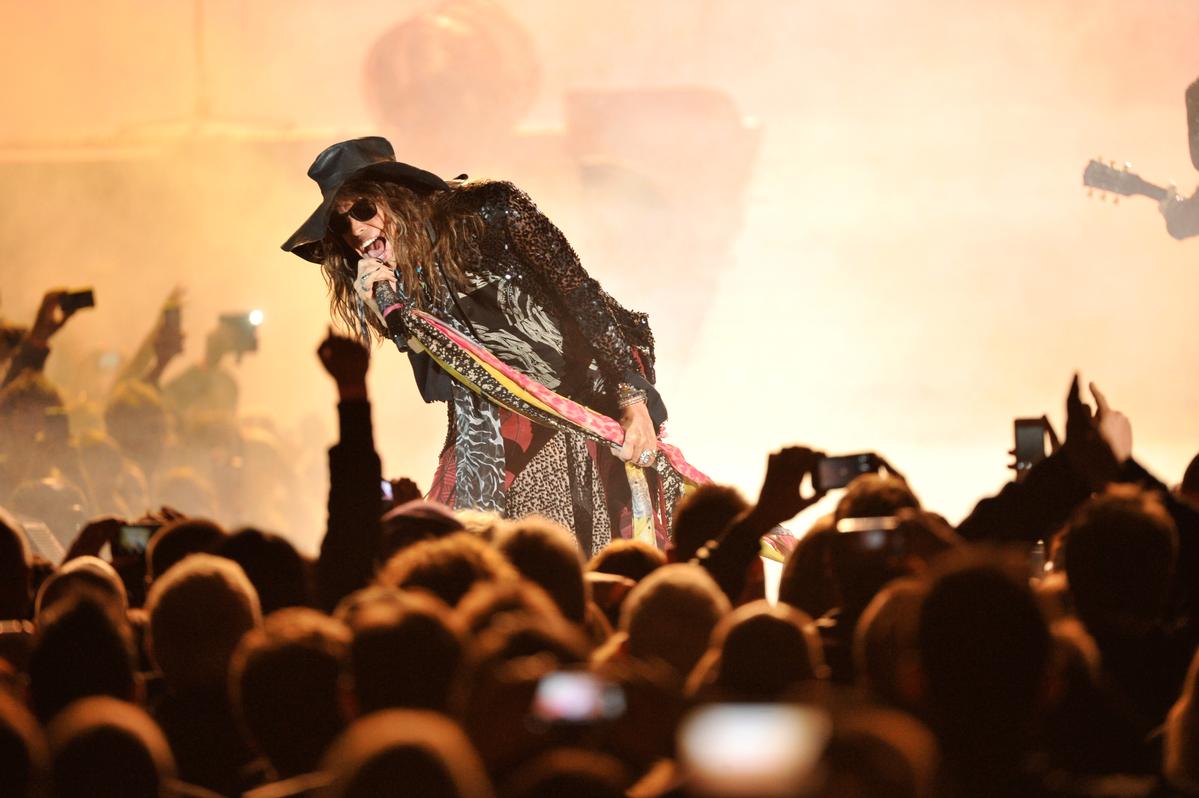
(82, 574)
(407, 754)
(984, 651)
(405, 650)
(807, 581)
(875, 495)
(766, 651)
(671, 613)
(413, 522)
(82, 648)
(634, 559)
(701, 516)
(137, 420)
(284, 682)
(885, 642)
(274, 567)
(448, 568)
(24, 757)
(573, 772)
(105, 747)
(176, 540)
(1120, 550)
(546, 554)
(199, 611)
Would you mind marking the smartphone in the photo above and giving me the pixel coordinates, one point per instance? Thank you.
(763, 750)
(880, 534)
(133, 538)
(42, 540)
(837, 472)
(1030, 443)
(576, 697)
(386, 489)
(244, 330)
(76, 300)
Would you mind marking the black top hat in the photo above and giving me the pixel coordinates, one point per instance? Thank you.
(371, 157)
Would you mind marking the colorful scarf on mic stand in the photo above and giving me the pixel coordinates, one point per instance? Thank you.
(484, 374)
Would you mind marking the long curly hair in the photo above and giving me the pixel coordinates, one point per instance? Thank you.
(408, 219)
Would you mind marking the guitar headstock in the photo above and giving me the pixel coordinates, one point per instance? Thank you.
(1122, 181)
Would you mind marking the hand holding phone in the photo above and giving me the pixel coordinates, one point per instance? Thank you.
(839, 471)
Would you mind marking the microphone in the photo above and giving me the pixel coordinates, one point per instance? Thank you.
(391, 307)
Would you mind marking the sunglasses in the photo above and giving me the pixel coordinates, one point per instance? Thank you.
(363, 210)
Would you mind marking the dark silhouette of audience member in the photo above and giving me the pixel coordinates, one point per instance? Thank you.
(274, 567)
(24, 756)
(82, 648)
(15, 578)
(701, 516)
(489, 603)
(807, 581)
(1188, 489)
(106, 748)
(633, 559)
(885, 655)
(137, 420)
(414, 521)
(448, 568)
(760, 653)
(199, 610)
(670, 616)
(351, 546)
(405, 650)
(569, 772)
(89, 574)
(284, 678)
(177, 539)
(984, 656)
(874, 496)
(1120, 552)
(406, 754)
(546, 554)
(1181, 746)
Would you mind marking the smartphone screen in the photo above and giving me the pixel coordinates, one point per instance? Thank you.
(837, 472)
(576, 697)
(1030, 442)
(133, 538)
(764, 750)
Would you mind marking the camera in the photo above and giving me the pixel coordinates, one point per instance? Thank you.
(243, 330)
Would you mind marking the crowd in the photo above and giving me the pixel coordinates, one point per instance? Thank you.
(1043, 647)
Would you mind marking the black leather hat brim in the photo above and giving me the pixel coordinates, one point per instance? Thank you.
(306, 241)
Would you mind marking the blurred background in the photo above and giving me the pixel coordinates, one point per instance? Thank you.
(856, 226)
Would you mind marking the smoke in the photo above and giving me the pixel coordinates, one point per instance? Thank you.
(905, 261)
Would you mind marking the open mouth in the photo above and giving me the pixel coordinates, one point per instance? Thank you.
(375, 248)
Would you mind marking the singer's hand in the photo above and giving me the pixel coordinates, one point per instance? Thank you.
(371, 271)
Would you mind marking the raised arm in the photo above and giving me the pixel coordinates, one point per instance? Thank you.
(355, 474)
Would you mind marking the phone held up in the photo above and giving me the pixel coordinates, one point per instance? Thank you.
(575, 698)
(1030, 444)
(760, 750)
(132, 539)
(77, 300)
(243, 330)
(839, 471)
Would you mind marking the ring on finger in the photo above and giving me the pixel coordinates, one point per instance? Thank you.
(646, 458)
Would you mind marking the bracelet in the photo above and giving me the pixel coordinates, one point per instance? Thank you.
(627, 395)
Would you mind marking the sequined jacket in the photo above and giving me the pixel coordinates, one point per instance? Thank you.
(533, 305)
